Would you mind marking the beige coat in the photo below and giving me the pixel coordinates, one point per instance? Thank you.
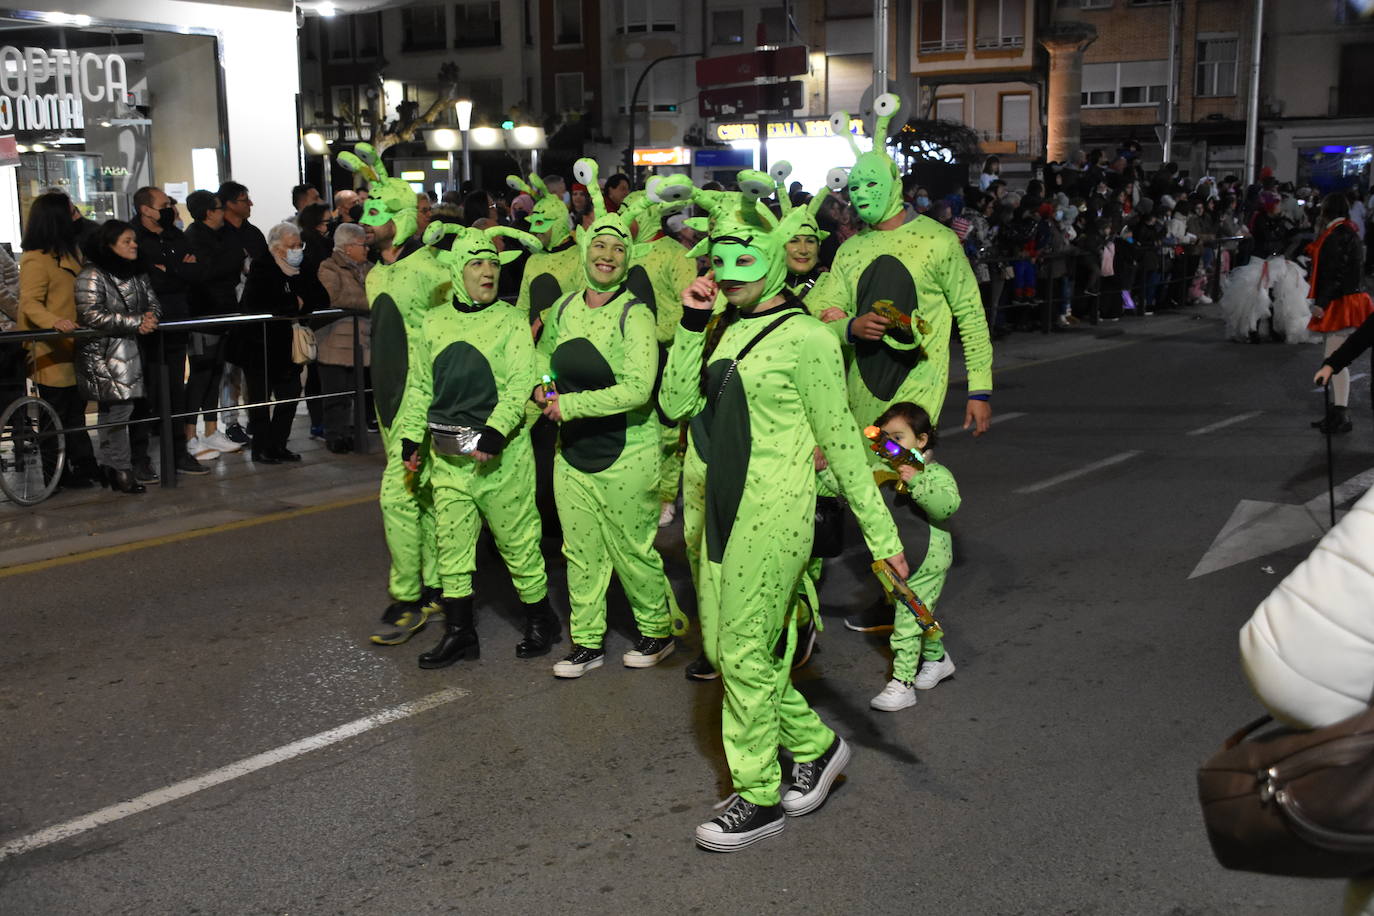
(47, 294)
(345, 280)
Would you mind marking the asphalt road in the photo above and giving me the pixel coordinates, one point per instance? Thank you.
(1053, 774)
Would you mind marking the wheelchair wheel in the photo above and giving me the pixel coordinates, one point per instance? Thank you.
(32, 451)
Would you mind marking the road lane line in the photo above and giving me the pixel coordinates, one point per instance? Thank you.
(117, 549)
(150, 800)
(1222, 424)
(996, 418)
(1079, 472)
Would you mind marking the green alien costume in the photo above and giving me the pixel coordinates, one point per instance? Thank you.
(472, 372)
(603, 361)
(557, 270)
(754, 425)
(399, 296)
(921, 268)
(932, 498)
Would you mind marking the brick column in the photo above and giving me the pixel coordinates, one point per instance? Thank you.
(1065, 41)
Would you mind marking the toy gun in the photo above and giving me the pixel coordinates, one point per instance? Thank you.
(897, 589)
(901, 321)
(895, 455)
(548, 388)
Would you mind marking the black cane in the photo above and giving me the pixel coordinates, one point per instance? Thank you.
(1330, 465)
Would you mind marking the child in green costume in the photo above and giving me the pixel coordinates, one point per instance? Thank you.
(762, 397)
(470, 380)
(555, 271)
(598, 346)
(931, 498)
(399, 293)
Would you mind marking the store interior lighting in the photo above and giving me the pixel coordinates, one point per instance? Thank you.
(325, 9)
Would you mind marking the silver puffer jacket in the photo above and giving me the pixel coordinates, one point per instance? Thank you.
(109, 368)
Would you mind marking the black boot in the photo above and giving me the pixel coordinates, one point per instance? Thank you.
(1337, 420)
(460, 636)
(541, 630)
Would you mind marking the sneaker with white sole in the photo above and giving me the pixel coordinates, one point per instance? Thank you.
(932, 673)
(665, 518)
(200, 451)
(649, 651)
(220, 443)
(896, 695)
(743, 824)
(579, 661)
(811, 781)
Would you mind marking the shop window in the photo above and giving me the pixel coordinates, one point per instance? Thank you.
(1216, 66)
(567, 22)
(366, 35)
(727, 27)
(567, 92)
(1013, 118)
(478, 24)
(950, 108)
(944, 26)
(424, 28)
(1000, 24)
(338, 38)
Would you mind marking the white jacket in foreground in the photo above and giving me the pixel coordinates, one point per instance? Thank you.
(1308, 650)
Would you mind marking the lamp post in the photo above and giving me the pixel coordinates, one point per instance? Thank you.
(464, 109)
(317, 145)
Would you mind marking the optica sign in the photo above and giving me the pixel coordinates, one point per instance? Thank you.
(27, 102)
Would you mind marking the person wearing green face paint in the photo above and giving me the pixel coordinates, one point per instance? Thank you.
(761, 394)
(471, 377)
(599, 349)
(555, 271)
(399, 293)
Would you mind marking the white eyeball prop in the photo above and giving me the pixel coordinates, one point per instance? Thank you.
(582, 171)
(839, 123)
(651, 188)
(671, 192)
(837, 178)
(434, 232)
(780, 171)
(886, 105)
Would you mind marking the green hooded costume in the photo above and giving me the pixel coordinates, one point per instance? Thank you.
(399, 295)
(754, 425)
(603, 361)
(555, 271)
(920, 267)
(471, 376)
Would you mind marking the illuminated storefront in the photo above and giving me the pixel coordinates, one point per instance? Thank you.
(808, 143)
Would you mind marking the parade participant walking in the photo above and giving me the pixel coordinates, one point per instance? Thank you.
(1339, 302)
(399, 292)
(931, 496)
(762, 393)
(555, 271)
(599, 347)
(472, 375)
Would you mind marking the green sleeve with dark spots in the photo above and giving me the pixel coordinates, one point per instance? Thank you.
(935, 491)
(680, 397)
(412, 422)
(513, 364)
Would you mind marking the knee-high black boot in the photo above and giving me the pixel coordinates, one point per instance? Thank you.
(460, 636)
(541, 630)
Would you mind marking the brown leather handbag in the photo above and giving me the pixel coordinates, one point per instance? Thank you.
(1296, 803)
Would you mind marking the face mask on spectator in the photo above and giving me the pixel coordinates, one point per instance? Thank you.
(923, 202)
(167, 217)
(294, 256)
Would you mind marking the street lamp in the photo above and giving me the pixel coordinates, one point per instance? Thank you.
(317, 145)
(464, 109)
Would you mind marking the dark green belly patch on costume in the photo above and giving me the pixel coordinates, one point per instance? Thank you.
(591, 444)
(882, 368)
(390, 358)
(727, 443)
(544, 292)
(464, 387)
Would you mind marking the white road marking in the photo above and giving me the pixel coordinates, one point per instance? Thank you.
(1079, 472)
(1222, 424)
(996, 418)
(150, 800)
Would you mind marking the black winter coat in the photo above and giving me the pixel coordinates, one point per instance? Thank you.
(271, 291)
(218, 268)
(1339, 265)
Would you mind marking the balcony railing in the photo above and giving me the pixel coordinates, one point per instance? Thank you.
(1000, 43)
(942, 47)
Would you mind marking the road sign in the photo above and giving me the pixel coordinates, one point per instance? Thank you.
(724, 158)
(734, 101)
(742, 68)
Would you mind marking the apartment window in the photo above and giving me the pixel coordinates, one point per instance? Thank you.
(950, 108)
(1000, 24)
(727, 27)
(478, 24)
(424, 28)
(848, 9)
(1216, 65)
(774, 22)
(567, 22)
(1353, 98)
(567, 92)
(1150, 2)
(338, 38)
(660, 92)
(366, 34)
(1124, 84)
(1013, 117)
(646, 16)
(944, 25)
(341, 101)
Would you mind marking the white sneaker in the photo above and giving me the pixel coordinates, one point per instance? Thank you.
(1203, 300)
(895, 696)
(932, 673)
(220, 443)
(200, 450)
(665, 518)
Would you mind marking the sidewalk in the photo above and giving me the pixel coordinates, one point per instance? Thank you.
(237, 490)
